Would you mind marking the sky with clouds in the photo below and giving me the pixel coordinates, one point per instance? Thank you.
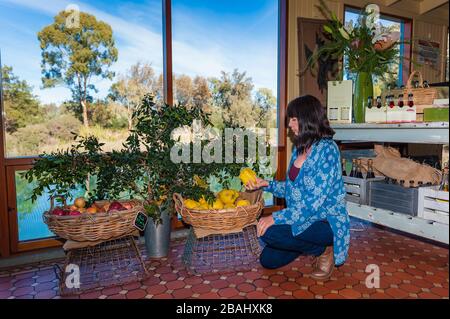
(208, 37)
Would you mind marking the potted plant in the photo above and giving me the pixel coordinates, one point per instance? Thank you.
(151, 141)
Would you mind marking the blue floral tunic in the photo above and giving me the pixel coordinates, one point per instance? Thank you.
(317, 193)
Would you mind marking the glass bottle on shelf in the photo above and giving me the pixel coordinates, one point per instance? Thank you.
(370, 173)
(370, 102)
(344, 171)
(420, 183)
(402, 183)
(353, 171)
(390, 101)
(358, 169)
(411, 184)
(410, 100)
(379, 103)
(400, 103)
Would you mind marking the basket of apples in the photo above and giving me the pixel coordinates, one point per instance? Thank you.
(103, 220)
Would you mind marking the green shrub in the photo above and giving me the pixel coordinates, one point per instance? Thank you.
(62, 126)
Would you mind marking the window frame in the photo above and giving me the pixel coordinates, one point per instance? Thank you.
(9, 245)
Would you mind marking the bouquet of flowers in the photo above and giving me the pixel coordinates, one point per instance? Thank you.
(367, 45)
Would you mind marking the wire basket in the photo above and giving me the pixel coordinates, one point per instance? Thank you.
(93, 227)
(222, 253)
(223, 221)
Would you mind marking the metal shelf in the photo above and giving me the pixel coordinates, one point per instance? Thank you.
(426, 133)
(413, 225)
(421, 133)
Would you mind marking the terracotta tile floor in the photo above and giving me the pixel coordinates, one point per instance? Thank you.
(409, 268)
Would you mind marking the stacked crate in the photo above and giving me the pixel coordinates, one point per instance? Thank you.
(433, 204)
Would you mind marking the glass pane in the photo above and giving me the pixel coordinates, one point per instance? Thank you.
(395, 25)
(47, 96)
(29, 214)
(226, 60)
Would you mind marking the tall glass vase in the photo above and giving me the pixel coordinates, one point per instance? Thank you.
(363, 90)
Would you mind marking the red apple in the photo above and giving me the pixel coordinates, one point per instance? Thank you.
(116, 206)
(74, 213)
(58, 212)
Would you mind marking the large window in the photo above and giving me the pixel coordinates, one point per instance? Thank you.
(63, 80)
(396, 77)
(225, 60)
(82, 66)
(58, 80)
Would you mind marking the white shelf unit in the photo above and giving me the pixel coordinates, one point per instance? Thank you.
(420, 133)
(423, 133)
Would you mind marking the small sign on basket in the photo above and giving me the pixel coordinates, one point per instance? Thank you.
(140, 222)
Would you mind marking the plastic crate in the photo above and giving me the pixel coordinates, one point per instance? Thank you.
(433, 204)
(394, 197)
(358, 189)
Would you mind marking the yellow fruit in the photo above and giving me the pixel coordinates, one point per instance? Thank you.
(243, 202)
(203, 206)
(190, 203)
(228, 196)
(246, 175)
(217, 204)
(228, 206)
(202, 200)
(80, 202)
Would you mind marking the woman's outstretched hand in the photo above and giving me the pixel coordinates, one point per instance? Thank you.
(251, 186)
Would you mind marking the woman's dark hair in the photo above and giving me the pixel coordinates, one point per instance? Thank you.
(312, 121)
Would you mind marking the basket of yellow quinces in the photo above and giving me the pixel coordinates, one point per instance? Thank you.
(230, 212)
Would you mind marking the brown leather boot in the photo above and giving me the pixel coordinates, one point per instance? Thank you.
(324, 265)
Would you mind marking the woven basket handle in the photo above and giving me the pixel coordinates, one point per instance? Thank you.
(179, 206)
(52, 201)
(178, 199)
(409, 83)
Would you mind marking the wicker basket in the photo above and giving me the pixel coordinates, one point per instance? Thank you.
(223, 221)
(93, 227)
(423, 96)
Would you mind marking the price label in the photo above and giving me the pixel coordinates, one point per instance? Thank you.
(140, 222)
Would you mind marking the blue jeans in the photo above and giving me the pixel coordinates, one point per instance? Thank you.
(281, 247)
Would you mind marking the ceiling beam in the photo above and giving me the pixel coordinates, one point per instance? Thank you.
(428, 5)
(388, 3)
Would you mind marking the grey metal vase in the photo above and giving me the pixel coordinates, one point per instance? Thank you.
(157, 237)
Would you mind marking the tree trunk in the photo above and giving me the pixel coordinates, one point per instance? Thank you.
(84, 104)
(130, 117)
(85, 114)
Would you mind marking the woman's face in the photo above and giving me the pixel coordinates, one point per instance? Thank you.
(293, 125)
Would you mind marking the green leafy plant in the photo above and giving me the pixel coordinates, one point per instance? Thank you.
(143, 169)
(367, 46)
